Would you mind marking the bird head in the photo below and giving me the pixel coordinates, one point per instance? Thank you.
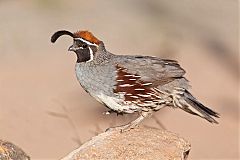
(85, 44)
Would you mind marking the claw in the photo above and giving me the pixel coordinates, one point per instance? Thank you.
(120, 113)
(108, 112)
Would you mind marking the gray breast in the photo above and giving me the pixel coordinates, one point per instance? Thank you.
(96, 79)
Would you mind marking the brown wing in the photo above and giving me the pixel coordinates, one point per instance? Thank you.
(152, 69)
(138, 78)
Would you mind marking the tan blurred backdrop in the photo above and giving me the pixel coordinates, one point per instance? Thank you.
(44, 110)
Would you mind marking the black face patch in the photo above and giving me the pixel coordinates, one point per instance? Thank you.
(83, 55)
(84, 51)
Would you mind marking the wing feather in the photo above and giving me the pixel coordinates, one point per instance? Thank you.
(152, 69)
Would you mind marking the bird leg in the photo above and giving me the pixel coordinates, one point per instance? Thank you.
(132, 124)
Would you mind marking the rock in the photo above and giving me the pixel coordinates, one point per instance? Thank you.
(9, 151)
(139, 143)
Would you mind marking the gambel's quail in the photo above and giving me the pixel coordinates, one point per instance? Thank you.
(131, 83)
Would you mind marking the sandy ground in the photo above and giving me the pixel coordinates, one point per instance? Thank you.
(45, 111)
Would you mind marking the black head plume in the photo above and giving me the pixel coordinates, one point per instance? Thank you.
(57, 34)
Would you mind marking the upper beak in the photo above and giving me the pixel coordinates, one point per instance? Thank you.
(71, 48)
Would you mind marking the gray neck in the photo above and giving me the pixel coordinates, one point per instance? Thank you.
(103, 57)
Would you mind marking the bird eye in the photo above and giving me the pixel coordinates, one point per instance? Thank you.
(84, 45)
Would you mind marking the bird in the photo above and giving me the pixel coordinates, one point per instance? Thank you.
(127, 84)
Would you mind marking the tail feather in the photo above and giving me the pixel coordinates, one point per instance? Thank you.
(188, 103)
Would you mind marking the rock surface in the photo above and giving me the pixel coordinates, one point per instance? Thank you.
(139, 143)
(9, 151)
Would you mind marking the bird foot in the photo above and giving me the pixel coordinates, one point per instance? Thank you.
(112, 111)
(130, 125)
(107, 112)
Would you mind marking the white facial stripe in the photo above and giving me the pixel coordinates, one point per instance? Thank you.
(83, 40)
(91, 54)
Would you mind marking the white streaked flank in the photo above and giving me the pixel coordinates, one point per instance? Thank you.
(148, 101)
(117, 104)
(144, 95)
(126, 85)
(139, 89)
(134, 96)
(137, 76)
(146, 84)
(120, 80)
(129, 75)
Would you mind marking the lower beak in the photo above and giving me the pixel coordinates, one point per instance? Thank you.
(71, 48)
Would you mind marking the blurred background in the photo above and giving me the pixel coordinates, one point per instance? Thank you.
(45, 111)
